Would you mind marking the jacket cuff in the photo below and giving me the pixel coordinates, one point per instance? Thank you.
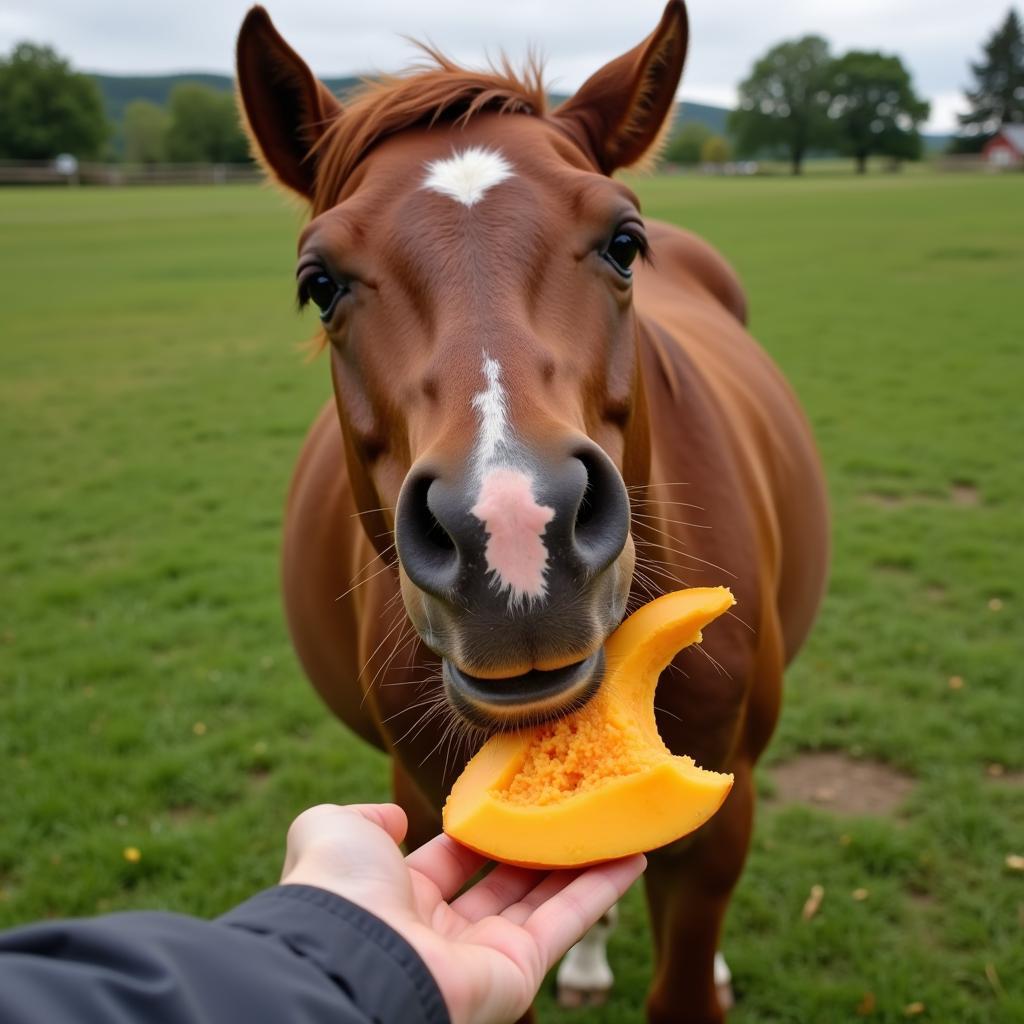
(379, 971)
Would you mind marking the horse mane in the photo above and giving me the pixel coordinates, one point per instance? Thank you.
(432, 91)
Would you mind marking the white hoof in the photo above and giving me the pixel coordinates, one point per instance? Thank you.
(584, 976)
(723, 983)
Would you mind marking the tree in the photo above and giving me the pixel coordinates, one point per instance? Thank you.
(871, 101)
(715, 150)
(998, 95)
(145, 132)
(46, 108)
(204, 126)
(781, 102)
(684, 148)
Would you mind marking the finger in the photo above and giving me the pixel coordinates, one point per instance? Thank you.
(446, 863)
(549, 886)
(504, 886)
(562, 920)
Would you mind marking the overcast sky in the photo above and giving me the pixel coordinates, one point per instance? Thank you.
(936, 38)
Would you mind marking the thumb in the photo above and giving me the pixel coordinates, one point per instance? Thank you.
(389, 817)
(333, 824)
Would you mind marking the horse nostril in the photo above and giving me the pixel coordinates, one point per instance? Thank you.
(427, 550)
(601, 523)
(437, 534)
(585, 512)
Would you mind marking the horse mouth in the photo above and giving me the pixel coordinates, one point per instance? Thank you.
(528, 699)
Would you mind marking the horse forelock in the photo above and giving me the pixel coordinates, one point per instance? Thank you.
(437, 91)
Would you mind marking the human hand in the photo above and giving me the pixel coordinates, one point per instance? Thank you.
(489, 948)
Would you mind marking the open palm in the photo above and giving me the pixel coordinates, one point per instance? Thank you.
(488, 948)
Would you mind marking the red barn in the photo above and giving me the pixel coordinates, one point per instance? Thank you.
(1006, 148)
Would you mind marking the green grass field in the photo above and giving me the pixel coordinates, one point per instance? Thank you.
(153, 398)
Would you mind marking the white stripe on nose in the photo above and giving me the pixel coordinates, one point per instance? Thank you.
(514, 521)
(493, 439)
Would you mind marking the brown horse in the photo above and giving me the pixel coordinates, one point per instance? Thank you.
(547, 410)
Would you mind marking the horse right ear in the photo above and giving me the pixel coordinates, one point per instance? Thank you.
(620, 114)
(286, 108)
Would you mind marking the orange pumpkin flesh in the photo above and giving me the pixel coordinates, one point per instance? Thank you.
(601, 783)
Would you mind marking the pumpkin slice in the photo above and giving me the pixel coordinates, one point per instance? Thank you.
(600, 783)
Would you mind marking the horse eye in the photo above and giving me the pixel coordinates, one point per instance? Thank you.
(323, 291)
(622, 250)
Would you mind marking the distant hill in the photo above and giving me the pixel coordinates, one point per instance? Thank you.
(119, 90)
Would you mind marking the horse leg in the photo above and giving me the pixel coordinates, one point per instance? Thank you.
(687, 895)
(584, 975)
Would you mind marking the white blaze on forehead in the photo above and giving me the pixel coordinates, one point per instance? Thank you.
(515, 553)
(466, 176)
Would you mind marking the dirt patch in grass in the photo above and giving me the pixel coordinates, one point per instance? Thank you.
(1001, 777)
(840, 783)
(964, 494)
(961, 493)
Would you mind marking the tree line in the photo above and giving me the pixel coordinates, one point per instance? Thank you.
(798, 99)
(47, 108)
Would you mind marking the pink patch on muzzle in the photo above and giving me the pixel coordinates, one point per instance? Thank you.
(515, 523)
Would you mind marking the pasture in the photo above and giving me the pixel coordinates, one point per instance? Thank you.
(157, 736)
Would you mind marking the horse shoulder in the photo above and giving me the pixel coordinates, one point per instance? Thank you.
(322, 551)
(684, 259)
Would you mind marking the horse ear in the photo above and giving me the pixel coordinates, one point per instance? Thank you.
(286, 108)
(620, 113)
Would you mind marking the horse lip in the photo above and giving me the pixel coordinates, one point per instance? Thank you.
(527, 699)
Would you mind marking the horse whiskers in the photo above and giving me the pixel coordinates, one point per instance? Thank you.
(667, 568)
(407, 636)
(665, 711)
(733, 615)
(446, 730)
(370, 511)
(395, 624)
(658, 483)
(678, 522)
(684, 554)
(681, 504)
(649, 502)
(383, 568)
(379, 554)
(426, 702)
(435, 678)
(673, 667)
(664, 574)
(663, 564)
(648, 584)
(414, 730)
(719, 668)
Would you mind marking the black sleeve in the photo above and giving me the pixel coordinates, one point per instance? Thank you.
(290, 955)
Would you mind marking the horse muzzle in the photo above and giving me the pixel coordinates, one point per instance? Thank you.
(515, 573)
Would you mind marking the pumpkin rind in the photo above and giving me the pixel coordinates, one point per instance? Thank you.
(605, 817)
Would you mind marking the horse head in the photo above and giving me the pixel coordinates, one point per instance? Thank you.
(471, 259)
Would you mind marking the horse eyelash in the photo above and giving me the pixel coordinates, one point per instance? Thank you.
(646, 253)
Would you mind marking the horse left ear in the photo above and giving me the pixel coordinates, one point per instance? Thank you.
(620, 113)
(287, 109)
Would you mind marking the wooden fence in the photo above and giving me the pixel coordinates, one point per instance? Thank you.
(42, 172)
